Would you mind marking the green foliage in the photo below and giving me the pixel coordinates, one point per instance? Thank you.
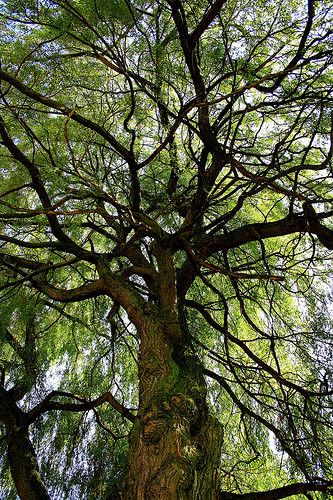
(219, 152)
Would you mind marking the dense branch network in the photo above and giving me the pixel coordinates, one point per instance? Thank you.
(157, 169)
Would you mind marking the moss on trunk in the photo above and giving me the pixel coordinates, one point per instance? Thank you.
(175, 443)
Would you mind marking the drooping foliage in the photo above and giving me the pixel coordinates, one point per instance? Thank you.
(176, 157)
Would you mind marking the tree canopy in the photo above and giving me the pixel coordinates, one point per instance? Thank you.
(166, 249)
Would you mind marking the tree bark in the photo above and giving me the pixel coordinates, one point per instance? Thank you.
(175, 443)
(21, 454)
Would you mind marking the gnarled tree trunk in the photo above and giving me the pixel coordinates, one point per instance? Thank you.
(175, 442)
(21, 454)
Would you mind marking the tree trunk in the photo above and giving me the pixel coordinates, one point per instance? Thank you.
(21, 454)
(175, 444)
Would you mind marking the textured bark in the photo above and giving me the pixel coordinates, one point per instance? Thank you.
(175, 443)
(21, 454)
(24, 468)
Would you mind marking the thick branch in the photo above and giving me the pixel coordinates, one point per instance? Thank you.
(50, 103)
(31, 244)
(300, 51)
(41, 191)
(285, 491)
(253, 232)
(84, 405)
(205, 21)
(78, 294)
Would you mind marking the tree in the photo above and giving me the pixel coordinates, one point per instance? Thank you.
(166, 190)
